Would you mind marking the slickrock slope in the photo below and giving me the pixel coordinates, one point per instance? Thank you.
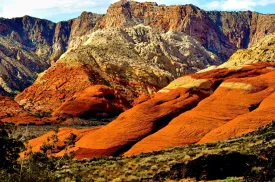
(202, 107)
(93, 101)
(233, 98)
(246, 122)
(29, 45)
(131, 60)
(60, 139)
(139, 121)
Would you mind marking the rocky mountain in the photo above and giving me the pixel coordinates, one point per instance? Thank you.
(29, 46)
(135, 48)
(141, 47)
(162, 70)
(131, 60)
(219, 32)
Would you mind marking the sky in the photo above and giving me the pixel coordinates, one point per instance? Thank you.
(58, 10)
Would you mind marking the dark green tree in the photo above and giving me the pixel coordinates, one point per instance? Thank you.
(9, 148)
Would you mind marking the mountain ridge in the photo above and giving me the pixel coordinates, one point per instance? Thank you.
(117, 49)
(46, 41)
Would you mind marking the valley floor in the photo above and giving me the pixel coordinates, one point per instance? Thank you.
(27, 132)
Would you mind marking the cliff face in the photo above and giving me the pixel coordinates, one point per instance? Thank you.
(29, 46)
(262, 51)
(219, 32)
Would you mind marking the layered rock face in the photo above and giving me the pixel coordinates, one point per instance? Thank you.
(198, 108)
(131, 60)
(29, 45)
(219, 32)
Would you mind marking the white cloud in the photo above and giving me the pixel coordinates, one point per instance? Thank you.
(61, 8)
(46, 8)
(64, 9)
(237, 4)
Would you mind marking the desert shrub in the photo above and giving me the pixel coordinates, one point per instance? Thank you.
(213, 167)
(264, 168)
(46, 147)
(37, 167)
(9, 148)
(231, 179)
(71, 139)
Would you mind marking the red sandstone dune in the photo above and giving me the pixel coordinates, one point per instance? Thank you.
(57, 139)
(97, 100)
(203, 107)
(244, 123)
(232, 99)
(92, 101)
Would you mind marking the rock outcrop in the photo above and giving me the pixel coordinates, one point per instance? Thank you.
(198, 108)
(135, 48)
(93, 101)
(11, 112)
(262, 51)
(131, 60)
(234, 98)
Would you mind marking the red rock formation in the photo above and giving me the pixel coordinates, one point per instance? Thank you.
(56, 86)
(139, 122)
(239, 101)
(59, 140)
(92, 101)
(142, 98)
(11, 112)
(62, 81)
(260, 115)
(232, 99)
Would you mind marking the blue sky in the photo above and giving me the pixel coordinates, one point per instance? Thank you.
(57, 10)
